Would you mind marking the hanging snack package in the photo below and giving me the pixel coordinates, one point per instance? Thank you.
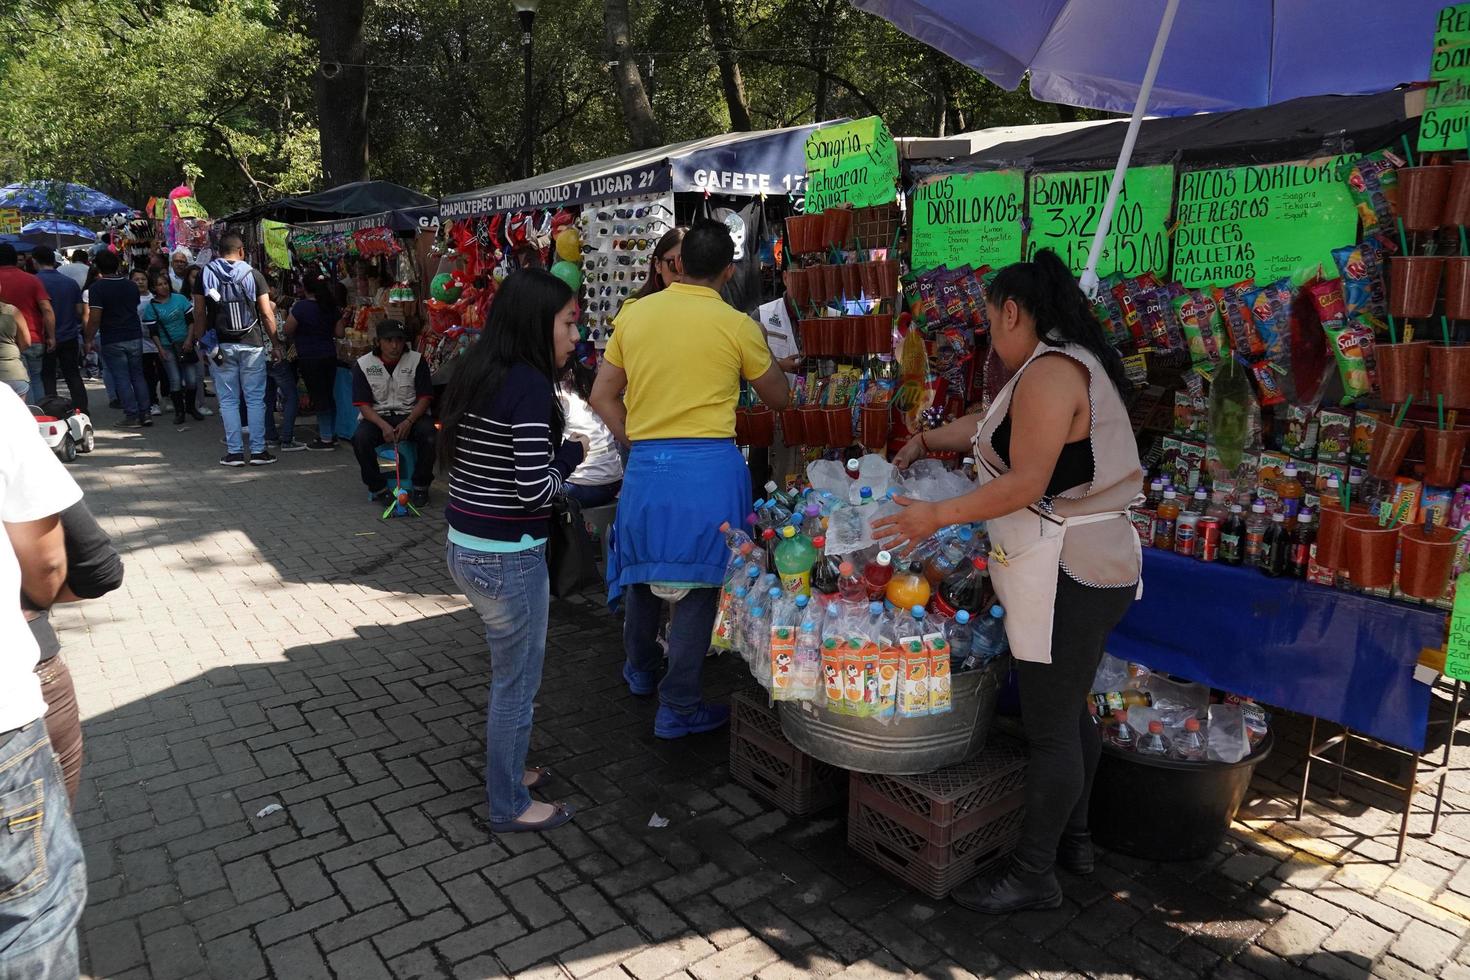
(1245, 339)
(1348, 347)
(1129, 311)
(1110, 315)
(1357, 286)
(1372, 180)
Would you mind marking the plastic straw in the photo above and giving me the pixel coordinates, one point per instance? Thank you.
(1464, 243)
(1440, 400)
(1404, 412)
(1403, 239)
(1444, 321)
(1347, 496)
(1462, 533)
(1408, 153)
(1393, 330)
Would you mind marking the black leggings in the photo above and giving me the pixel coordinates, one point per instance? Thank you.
(1063, 743)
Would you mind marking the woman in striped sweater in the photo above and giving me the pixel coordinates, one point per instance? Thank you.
(501, 444)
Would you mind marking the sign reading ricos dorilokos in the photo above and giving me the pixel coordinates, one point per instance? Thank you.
(852, 163)
(969, 219)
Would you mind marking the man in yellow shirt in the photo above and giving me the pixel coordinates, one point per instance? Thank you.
(668, 385)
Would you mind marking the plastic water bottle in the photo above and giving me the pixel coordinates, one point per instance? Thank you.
(808, 661)
(1190, 746)
(1255, 533)
(734, 537)
(758, 645)
(1153, 742)
(1120, 733)
(961, 637)
(990, 637)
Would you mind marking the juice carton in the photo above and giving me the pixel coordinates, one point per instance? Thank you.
(853, 683)
(1271, 466)
(1191, 463)
(888, 668)
(1364, 423)
(1334, 435)
(1436, 501)
(832, 675)
(939, 692)
(783, 663)
(1302, 427)
(871, 682)
(913, 696)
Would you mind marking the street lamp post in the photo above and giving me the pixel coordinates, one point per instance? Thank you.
(526, 11)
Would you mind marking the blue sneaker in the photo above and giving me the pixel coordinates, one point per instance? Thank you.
(705, 718)
(640, 682)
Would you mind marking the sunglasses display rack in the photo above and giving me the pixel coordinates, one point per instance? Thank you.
(843, 284)
(618, 237)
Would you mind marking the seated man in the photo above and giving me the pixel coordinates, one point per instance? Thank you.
(391, 388)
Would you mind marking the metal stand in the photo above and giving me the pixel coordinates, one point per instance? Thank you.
(1417, 765)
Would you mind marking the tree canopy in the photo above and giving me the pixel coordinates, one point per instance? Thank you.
(131, 95)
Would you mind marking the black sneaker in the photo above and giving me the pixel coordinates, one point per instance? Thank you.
(317, 445)
(114, 403)
(145, 421)
(293, 446)
(127, 422)
(232, 459)
(419, 496)
(261, 459)
(382, 496)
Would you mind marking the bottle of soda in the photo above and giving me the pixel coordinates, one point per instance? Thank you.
(1190, 746)
(967, 588)
(768, 545)
(908, 588)
(1199, 501)
(1276, 547)
(824, 573)
(854, 469)
(1255, 533)
(1155, 494)
(795, 556)
(1153, 742)
(877, 574)
(1165, 517)
(1232, 537)
(811, 524)
(1291, 491)
(850, 587)
(1302, 539)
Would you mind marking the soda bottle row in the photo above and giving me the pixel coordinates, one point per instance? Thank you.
(1278, 544)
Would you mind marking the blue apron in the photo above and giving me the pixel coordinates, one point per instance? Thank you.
(676, 494)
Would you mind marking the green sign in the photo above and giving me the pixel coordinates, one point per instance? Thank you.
(1065, 208)
(1446, 119)
(1262, 222)
(969, 219)
(852, 163)
(1457, 650)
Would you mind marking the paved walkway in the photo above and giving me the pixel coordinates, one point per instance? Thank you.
(275, 643)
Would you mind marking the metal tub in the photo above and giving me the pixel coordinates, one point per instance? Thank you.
(904, 746)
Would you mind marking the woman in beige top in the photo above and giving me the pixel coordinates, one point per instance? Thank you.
(1058, 469)
(14, 338)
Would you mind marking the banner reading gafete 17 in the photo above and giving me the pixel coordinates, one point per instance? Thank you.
(855, 163)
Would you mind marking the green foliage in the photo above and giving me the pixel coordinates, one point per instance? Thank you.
(130, 99)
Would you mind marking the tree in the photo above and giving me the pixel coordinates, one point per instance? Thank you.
(643, 129)
(730, 76)
(341, 90)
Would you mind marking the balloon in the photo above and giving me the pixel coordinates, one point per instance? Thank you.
(569, 244)
(444, 288)
(498, 273)
(568, 273)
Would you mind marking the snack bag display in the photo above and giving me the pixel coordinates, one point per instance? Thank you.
(1334, 436)
(1349, 343)
(1372, 180)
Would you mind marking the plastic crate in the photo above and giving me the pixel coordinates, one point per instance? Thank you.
(935, 831)
(772, 768)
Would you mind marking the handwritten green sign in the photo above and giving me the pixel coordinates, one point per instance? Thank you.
(851, 163)
(1445, 124)
(1457, 650)
(969, 219)
(1262, 222)
(1065, 208)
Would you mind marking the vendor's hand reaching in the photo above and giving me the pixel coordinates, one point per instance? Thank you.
(402, 430)
(911, 453)
(900, 533)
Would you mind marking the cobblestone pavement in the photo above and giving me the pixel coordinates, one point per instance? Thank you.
(276, 643)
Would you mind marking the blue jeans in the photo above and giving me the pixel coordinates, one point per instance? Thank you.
(125, 360)
(181, 377)
(43, 877)
(281, 384)
(689, 633)
(21, 388)
(33, 356)
(240, 378)
(596, 496)
(511, 592)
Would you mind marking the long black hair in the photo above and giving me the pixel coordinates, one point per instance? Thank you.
(522, 319)
(1044, 287)
(319, 288)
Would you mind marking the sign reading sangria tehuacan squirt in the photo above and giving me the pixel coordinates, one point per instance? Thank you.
(1445, 124)
(969, 219)
(852, 163)
(1264, 222)
(1065, 207)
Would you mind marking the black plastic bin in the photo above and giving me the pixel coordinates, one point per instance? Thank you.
(1165, 810)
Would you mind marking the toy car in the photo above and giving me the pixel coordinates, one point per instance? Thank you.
(66, 433)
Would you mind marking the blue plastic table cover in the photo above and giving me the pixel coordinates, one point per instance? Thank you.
(1322, 652)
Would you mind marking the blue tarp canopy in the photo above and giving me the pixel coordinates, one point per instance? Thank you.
(54, 232)
(56, 197)
(17, 243)
(380, 202)
(1221, 54)
(771, 161)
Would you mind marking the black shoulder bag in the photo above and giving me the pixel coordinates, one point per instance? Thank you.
(571, 558)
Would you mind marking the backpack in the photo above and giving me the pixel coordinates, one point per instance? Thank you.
(235, 316)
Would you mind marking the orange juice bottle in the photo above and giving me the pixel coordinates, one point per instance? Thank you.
(908, 588)
(1165, 521)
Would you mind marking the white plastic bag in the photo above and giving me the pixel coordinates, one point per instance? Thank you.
(1227, 741)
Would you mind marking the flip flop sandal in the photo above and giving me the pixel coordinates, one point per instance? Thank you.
(562, 814)
(543, 776)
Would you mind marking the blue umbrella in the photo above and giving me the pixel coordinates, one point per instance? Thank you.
(16, 242)
(62, 234)
(1216, 55)
(56, 197)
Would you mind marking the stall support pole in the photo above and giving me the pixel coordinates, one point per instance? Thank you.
(1145, 88)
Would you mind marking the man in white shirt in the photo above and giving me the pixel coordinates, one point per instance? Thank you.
(41, 855)
(76, 268)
